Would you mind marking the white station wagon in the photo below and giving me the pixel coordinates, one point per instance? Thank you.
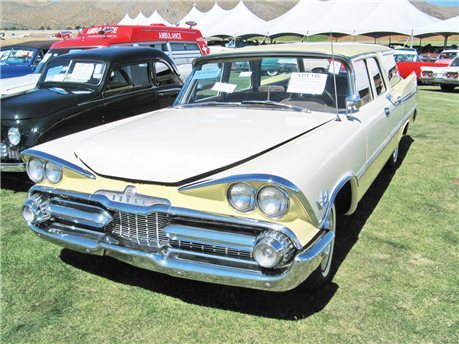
(238, 183)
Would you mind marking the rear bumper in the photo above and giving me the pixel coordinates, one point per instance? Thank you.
(182, 264)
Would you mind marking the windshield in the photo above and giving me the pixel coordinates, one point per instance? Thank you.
(455, 62)
(17, 56)
(69, 71)
(284, 82)
(405, 57)
(54, 53)
(447, 55)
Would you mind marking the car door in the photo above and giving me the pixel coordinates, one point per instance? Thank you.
(129, 91)
(168, 83)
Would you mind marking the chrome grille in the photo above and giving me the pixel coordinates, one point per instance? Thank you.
(7, 152)
(211, 249)
(3, 150)
(143, 230)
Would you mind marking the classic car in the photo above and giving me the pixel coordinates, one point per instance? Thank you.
(18, 60)
(82, 90)
(239, 183)
(408, 61)
(446, 77)
(182, 45)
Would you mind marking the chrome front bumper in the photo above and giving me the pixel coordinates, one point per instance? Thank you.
(180, 264)
(172, 260)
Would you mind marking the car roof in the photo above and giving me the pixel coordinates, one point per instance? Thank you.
(31, 44)
(114, 55)
(344, 49)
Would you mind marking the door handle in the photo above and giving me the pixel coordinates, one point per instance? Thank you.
(171, 92)
(387, 111)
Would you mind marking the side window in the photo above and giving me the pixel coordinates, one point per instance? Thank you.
(391, 67)
(117, 80)
(362, 82)
(375, 74)
(137, 73)
(163, 74)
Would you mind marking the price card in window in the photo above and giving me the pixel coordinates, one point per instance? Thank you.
(82, 71)
(245, 74)
(308, 83)
(206, 73)
(223, 87)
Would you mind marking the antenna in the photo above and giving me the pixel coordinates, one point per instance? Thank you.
(334, 78)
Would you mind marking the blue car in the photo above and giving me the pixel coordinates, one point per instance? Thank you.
(18, 60)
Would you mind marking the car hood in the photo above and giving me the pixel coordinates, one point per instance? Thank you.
(176, 146)
(36, 103)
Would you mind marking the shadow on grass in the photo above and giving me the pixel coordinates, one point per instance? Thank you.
(436, 88)
(292, 305)
(17, 182)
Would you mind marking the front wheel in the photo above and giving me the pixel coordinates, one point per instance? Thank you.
(272, 72)
(393, 160)
(323, 273)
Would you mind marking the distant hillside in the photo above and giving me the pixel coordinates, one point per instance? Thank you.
(61, 14)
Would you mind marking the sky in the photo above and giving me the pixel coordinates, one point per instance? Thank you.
(444, 2)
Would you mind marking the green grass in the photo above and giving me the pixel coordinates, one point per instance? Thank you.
(396, 278)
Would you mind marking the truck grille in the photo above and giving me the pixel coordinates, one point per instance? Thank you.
(143, 230)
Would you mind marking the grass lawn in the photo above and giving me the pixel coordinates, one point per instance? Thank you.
(396, 277)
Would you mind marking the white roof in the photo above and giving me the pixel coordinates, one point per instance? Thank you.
(212, 18)
(394, 16)
(127, 20)
(194, 15)
(240, 21)
(448, 26)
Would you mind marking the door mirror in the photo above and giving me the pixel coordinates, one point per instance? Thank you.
(353, 103)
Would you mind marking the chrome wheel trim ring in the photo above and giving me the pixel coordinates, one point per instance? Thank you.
(325, 264)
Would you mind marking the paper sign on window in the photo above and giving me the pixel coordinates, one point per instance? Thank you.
(334, 67)
(206, 74)
(222, 87)
(245, 74)
(82, 71)
(308, 83)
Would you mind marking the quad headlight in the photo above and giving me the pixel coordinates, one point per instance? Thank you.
(272, 201)
(38, 170)
(14, 136)
(241, 196)
(35, 170)
(53, 172)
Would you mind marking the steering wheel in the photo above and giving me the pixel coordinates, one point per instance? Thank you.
(328, 98)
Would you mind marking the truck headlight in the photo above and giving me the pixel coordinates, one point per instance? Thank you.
(35, 170)
(53, 172)
(272, 248)
(241, 196)
(14, 137)
(273, 202)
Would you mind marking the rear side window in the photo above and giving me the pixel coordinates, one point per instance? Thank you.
(137, 73)
(391, 67)
(184, 46)
(163, 74)
(376, 75)
(362, 82)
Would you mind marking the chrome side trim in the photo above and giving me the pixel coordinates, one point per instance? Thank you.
(48, 157)
(12, 167)
(174, 211)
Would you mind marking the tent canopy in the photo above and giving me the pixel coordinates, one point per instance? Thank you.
(446, 27)
(215, 15)
(194, 15)
(156, 18)
(127, 20)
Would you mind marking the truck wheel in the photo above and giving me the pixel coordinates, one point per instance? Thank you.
(323, 273)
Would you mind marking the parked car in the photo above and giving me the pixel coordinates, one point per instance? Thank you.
(408, 61)
(182, 45)
(83, 90)
(446, 77)
(447, 55)
(240, 182)
(406, 55)
(18, 60)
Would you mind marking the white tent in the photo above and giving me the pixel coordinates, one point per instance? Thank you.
(194, 15)
(393, 16)
(444, 27)
(342, 17)
(239, 22)
(298, 20)
(126, 20)
(140, 19)
(156, 18)
(212, 18)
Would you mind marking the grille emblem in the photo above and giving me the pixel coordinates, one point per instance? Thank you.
(130, 196)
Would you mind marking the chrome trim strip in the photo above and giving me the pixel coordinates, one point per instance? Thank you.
(175, 211)
(171, 261)
(12, 167)
(48, 157)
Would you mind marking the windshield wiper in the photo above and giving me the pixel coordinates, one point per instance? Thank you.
(212, 103)
(276, 104)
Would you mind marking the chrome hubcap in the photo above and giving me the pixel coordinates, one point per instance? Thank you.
(325, 264)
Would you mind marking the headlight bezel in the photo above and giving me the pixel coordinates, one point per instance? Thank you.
(11, 131)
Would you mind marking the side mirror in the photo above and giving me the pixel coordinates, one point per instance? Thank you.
(352, 102)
